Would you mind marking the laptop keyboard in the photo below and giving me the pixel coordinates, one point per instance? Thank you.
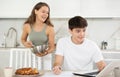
(91, 74)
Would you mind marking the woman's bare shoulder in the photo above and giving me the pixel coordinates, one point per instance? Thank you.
(50, 29)
(26, 27)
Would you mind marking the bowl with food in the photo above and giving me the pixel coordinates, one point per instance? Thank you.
(39, 49)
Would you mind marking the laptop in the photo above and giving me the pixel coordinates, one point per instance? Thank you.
(110, 67)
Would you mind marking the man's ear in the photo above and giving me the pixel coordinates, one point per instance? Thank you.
(70, 31)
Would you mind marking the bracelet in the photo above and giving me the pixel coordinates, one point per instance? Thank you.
(46, 52)
(60, 68)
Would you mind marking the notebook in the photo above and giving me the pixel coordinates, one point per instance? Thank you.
(110, 67)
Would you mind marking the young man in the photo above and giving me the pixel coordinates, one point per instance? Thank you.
(77, 52)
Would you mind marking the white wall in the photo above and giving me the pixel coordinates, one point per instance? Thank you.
(99, 29)
(103, 30)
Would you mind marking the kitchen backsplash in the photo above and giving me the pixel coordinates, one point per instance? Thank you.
(99, 29)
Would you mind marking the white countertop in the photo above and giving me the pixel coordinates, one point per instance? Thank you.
(110, 50)
(51, 74)
(63, 74)
(7, 48)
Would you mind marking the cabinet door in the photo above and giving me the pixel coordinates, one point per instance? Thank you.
(64, 8)
(23, 8)
(100, 8)
(16, 8)
(4, 58)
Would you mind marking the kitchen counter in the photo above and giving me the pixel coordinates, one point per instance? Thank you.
(8, 48)
(63, 74)
(110, 50)
(103, 51)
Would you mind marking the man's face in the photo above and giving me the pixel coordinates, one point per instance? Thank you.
(78, 35)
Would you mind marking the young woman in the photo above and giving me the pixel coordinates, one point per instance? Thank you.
(39, 29)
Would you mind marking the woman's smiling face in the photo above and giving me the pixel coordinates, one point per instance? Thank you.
(42, 13)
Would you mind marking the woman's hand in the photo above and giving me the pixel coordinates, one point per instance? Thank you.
(28, 44)
(57, 70)
(40, 54)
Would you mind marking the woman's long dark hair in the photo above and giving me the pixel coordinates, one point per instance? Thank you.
(32, 18)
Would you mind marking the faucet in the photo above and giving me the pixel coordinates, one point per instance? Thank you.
(13, 29)
(104, 45)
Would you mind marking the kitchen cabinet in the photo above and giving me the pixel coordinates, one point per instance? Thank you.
(16, 8)
(23, 8)
(62, 8)
(100, 8)
(4, 58)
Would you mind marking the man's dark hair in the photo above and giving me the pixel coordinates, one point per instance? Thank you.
(77, 22)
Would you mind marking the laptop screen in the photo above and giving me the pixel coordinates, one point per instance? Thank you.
(109, 68)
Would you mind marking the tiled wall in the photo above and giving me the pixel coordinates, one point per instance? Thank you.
(99, 29)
